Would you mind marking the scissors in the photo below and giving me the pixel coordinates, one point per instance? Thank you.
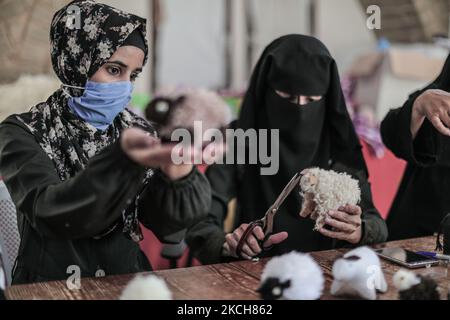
(266, 223)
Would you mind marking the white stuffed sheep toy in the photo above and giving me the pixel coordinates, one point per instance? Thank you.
(415, 287)
(146, 288)
(323, 191)
(358, 273)
(293, 276)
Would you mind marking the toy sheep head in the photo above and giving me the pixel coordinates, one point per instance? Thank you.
(293, 276)
(323, 191)
(181, 109)
(358, 273)
(415, 287)
(405, 280)
(347, 268)
(309, 180)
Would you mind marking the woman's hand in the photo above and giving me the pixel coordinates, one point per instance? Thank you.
(346, 224)
(433, 105)
(148, 151)
(251, 248)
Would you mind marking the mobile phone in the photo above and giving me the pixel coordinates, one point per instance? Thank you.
(406, 258)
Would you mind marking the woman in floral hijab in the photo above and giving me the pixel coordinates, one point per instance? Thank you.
(84, 171)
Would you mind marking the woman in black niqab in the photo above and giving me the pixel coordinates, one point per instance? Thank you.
(294, 88)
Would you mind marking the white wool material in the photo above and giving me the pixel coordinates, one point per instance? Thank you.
(146, 288)
(307, 281)
(405, 280)
(358, 273)
(331, 190)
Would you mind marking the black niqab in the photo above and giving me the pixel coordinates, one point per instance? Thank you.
(317, 134)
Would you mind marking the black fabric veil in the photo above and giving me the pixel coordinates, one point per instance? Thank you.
(317, 134)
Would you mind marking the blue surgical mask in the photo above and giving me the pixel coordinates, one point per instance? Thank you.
(101, 102)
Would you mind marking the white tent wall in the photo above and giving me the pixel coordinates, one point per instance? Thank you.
(275, 18)
(191, 43)
(341, 25)
(238, 41)
(192, 37)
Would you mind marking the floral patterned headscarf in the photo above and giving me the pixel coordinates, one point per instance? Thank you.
(77, 52)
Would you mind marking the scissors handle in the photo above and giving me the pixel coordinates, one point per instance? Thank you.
(248, 232)
(267, 222)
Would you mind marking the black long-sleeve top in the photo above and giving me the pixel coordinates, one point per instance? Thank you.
(59, 222)
(422, 200)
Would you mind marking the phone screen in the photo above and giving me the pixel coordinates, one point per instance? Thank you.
(403, 255)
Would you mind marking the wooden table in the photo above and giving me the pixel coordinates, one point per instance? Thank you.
(231, 281)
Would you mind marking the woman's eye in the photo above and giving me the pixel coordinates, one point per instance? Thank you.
(293, 99)
(114, 71)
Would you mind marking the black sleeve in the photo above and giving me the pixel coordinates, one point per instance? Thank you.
(374, 227)
(207, 237)
(82, 206)
(425, 150)
(168, 207)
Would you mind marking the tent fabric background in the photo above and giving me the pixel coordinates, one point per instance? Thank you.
(24, 30)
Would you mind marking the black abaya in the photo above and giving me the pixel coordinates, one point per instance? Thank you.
(318, 134)
(421, 202)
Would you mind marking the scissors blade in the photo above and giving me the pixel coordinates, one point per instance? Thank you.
(286, 191)
(268, 217)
